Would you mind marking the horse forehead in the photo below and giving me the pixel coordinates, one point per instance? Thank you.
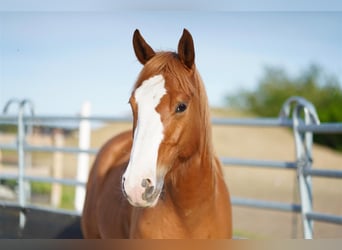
(151, 91)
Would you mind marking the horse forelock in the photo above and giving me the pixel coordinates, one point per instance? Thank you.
(188, 81)
(168, 64)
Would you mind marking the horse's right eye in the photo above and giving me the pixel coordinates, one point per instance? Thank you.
(181, 107)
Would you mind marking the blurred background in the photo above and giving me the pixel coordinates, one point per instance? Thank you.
(252, 57)
(88, 56)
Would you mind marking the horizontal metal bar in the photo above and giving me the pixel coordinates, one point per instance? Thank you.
(9, 121)
(279, 206)
(258, 163)
(269, 122)
(51, 149)
(8, 177)
(264, 122)
(69, 182)
(235, 201)
(325, 217)
(15, 205)
(324, 128)
(9, 204)
(37, 119)
(48, 118)
(11, 147)
(323, 173)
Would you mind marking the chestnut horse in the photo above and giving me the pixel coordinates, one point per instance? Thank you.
(162, 179)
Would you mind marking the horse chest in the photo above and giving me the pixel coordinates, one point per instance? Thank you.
(168, 223)
(157, 223)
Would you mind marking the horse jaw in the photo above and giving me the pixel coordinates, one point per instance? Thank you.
(141, 183)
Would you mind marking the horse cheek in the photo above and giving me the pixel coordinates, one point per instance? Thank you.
(166, 155)
(190, 139)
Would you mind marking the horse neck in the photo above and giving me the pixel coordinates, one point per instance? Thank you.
(192, 183)
(193, 180)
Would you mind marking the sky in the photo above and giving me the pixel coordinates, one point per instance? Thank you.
(59, 59)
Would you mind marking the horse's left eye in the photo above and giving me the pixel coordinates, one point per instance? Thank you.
(181, 107)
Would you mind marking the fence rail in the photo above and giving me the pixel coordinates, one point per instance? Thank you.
(303, 121)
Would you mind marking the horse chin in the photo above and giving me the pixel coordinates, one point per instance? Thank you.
(152, 202)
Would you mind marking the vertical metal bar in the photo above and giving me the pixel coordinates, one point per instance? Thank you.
(304, 161)
(21, 166)
(305, 180)
(21, 154)
(303, 143)
(83, 158)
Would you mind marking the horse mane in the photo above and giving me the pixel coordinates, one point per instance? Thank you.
(168, 63)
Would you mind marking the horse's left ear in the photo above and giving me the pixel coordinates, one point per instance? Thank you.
(186, 50)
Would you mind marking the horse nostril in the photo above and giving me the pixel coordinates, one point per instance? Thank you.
(146, 183)
(149, 189)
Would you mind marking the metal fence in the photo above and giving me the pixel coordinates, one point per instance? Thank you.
(296, 113)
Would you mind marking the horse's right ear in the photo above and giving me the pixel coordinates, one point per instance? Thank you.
(142, 50)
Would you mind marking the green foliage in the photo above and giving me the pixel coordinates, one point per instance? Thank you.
(9, 183)
(40, 187)
(68, 193)
(5, 128)
(323, 90)
(68, 197)
(36, 187)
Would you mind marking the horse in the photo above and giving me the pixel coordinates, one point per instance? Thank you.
(162, 179)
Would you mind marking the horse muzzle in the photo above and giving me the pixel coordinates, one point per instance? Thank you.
(146, 194)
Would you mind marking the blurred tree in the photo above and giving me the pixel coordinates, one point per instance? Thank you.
(275, 86)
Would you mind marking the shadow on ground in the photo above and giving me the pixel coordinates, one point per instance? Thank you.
(39, 225)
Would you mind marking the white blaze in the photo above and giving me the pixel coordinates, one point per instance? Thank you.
(147, 138)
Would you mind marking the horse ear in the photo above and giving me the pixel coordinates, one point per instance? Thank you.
(186, 50)
(142, 50)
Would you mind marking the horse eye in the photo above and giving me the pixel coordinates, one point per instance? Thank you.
(181, 108)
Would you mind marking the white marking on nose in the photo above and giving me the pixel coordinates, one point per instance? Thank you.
(147, 138)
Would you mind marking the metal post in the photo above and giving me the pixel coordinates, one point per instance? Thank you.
(83, 158)
(22, 195)
(21, 156)
(303, 162)
(21, 166)
(303, 142)
(57, 168)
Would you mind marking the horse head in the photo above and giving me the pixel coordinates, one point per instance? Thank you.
(167, 105)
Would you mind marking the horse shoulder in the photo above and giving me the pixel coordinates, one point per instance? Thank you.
(115, 152)
(111, 158)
